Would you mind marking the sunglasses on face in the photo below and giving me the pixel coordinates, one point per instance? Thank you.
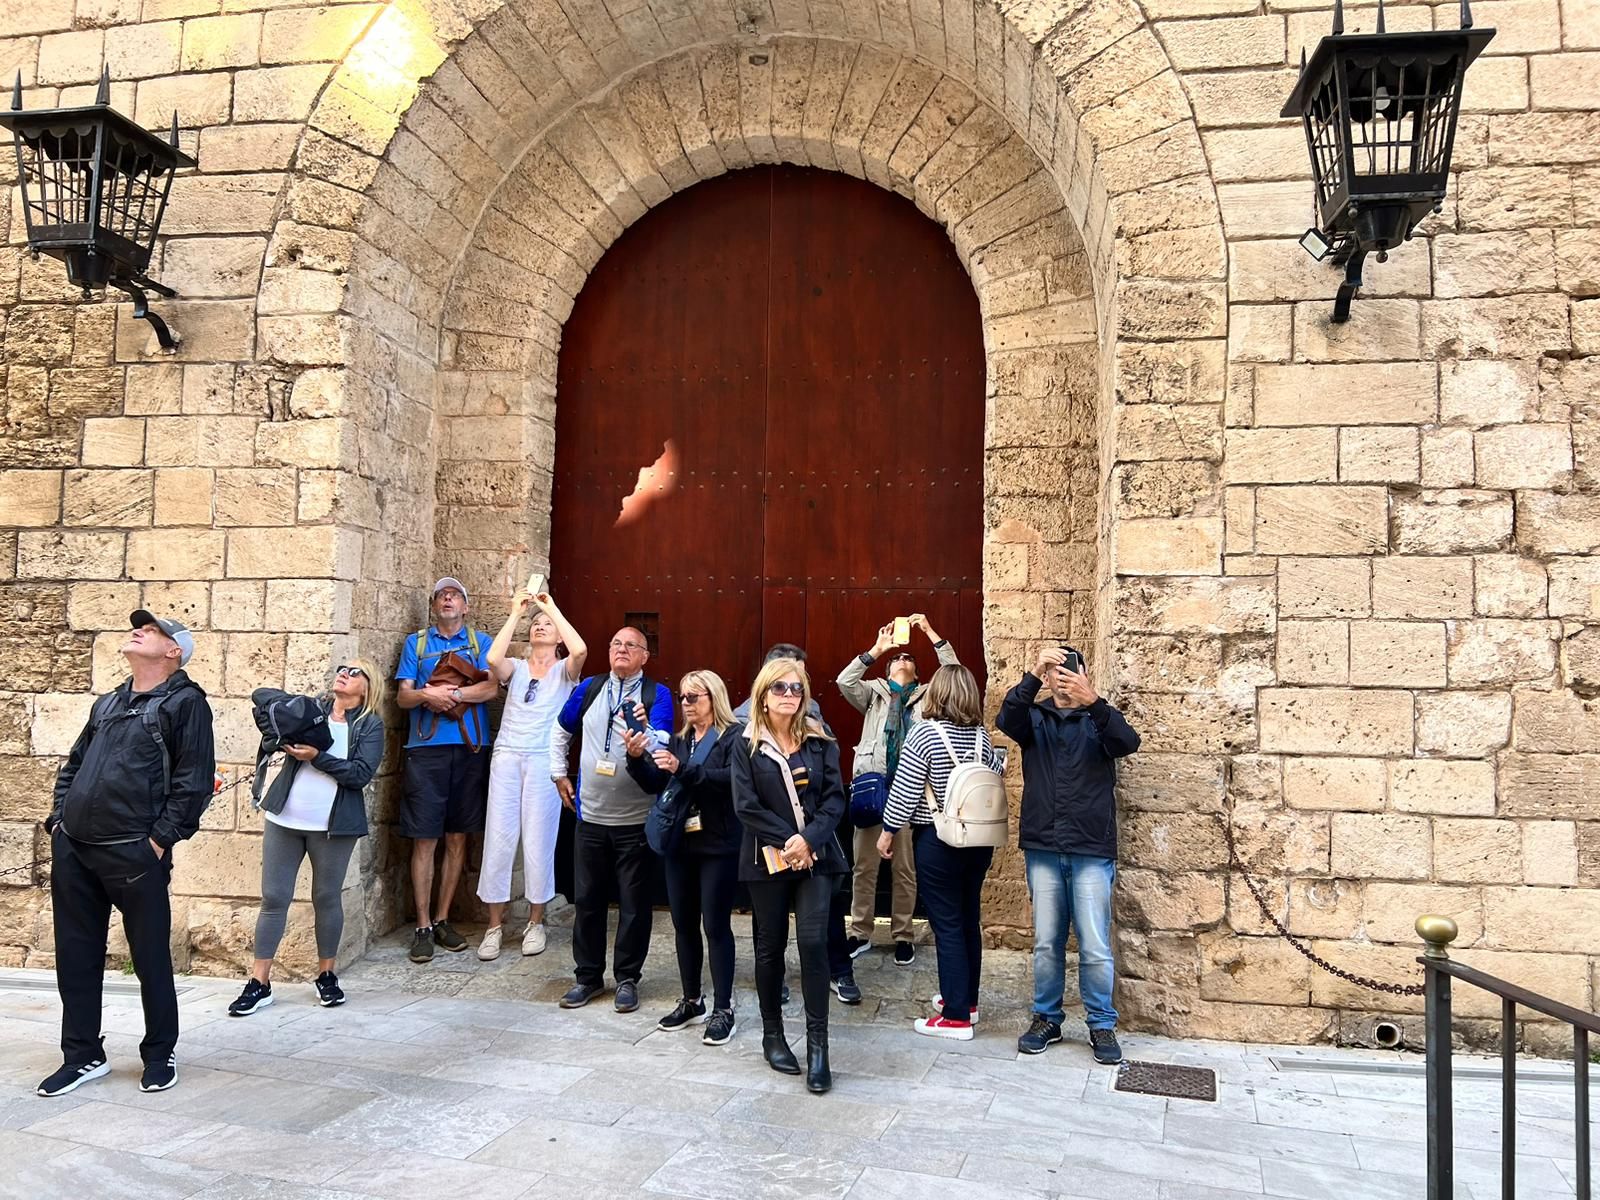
(903, 658)
(356, 671)
(788, 689)
(691, 698)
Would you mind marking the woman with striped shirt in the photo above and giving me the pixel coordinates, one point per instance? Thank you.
(949, 879)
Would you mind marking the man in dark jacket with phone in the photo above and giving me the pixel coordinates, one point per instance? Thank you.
(137, 779)
(1070, 743)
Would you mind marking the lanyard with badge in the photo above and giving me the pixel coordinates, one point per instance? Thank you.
(606, 765)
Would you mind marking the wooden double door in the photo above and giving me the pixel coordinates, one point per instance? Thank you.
(769, 427)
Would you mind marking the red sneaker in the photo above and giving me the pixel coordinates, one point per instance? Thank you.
(938, 1007)
(960, 1031)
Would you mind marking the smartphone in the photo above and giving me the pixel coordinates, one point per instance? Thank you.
(902, 631)
(1000, 755)
(631, 718)
(1074, 661)
(535, 584)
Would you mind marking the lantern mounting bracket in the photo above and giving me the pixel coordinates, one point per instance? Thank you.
(1350, 286)
(141, 307)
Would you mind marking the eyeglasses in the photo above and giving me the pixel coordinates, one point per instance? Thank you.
(691, 698)
(346, 670)
(619, 644)
(783, 688)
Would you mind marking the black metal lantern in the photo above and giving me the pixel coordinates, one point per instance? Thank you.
(94, 189)
(1380, 115)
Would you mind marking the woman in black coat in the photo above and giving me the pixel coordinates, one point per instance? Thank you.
(691, 775)
(789, 796)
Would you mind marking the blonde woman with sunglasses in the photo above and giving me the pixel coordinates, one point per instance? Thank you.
(316, 808)
(789, 796)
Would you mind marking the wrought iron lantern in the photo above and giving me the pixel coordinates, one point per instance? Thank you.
(94, 189)
(1380, 112)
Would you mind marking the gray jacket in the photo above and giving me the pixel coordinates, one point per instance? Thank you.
(871, 698)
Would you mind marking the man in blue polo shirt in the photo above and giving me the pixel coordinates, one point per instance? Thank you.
(446, 761)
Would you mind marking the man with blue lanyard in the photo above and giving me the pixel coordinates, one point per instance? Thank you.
(446, 761)
(610, 847)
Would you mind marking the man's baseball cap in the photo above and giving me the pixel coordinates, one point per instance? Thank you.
(449, 581)
(176, 630)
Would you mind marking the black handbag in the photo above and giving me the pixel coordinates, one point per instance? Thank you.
(286, 719)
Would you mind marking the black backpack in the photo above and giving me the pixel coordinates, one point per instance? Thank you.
(285, 719)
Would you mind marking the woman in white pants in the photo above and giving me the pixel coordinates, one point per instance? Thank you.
(523, 801)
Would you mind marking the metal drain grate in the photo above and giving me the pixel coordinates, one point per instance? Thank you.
(1164, 1079)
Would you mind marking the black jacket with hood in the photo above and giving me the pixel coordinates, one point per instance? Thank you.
(110, 788)
(1068, 770)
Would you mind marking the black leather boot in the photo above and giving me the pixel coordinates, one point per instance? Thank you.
(818, 1077)
(775, 1047)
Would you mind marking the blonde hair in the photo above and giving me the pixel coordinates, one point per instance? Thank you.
(772, 671)
(377, 691)
(711, 684)
(952, 695)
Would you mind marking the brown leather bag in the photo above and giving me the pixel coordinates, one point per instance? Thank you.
(453, 670)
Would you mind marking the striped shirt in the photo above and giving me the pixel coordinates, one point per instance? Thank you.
(923, 760)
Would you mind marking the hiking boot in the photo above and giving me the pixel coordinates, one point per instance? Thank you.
(70, 1075)
(1040, 1035)
(489, 948)
(720, 1028)
(448, 937)
(845, 988)
(533, 941)
(159, 1076)
(855, 947)
(938, 1007)
(1104, 1044)
(943, 1027)
(581, 995)
(627, 998)
(255, 995)
(329, 993)
(422, 946)
(689, 1012)
(904, 954)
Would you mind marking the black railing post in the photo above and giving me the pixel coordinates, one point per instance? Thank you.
(1580, 1075)
(1438, 932)
(1508, 1098)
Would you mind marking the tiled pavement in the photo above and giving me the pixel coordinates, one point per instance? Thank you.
(463, 1079)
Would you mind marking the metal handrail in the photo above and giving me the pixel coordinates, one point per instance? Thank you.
(1439, 970)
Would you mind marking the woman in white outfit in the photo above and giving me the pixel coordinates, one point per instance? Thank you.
(523, 801)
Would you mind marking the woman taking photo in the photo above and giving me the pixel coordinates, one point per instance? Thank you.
(523, 801)
(788, 794)
(949, 879)
(316, 809)
(702, 874)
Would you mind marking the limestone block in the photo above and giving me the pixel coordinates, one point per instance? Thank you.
(1165, 489)
(1507, 585)
(1586, 326)
(252, 660)
(1176, 546)
(1501, 86)
(1321, 520)
(1164, 841)
(1505, 327)
(218, 864)
(1358, 722)
(1313, 652)
(95, 606)
(1184, 372)
(1171, 432)
(200, 441)
(1447, 458)
(1556, 721)
(254, 497)
(1548, 786)
(154, 390)
(1554, 919)
(309, 605)
(1523, 456)
(1397, 653)
(210, 330)
(1495, 651)
(1325, 587)
(1156, 310)
(1498, 198)
(1379, 454)
(1301, 455)
(1553, 524)
(76, 556)
(1339, 784)
(213, 266)
(71, 57)
(1278, 269)
(1325, 907)
(1362, 393)
(1550, 853)
(1574, 587)
(238, 604)
(1156, 782)
(279, 553)
(1376, 846)
(211, 43)
(202, 99)
(1191, 723)
(59, 719)
(1148, 899)
(1580, 660)
(39, 333)
(183, 496)
(108, 498)
(1493, 264)
(140, 51)
(1578, 263)
(1560, 81)
(313, 34)
(1262, 333)
(277, 93)
(1153, 663)
(1253, 969)
(78, 392)
(1411, 586)
(30, 497)
(1488, 392)
(187, 600)
(1435, 785)
(175, 554)
(1378, 331)
(1390, 910)
(1466, 724)
(1452, 522)
(1203, 605)
(227, 149)
(1262, 210)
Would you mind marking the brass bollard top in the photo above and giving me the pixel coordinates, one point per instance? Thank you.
(1438, 932)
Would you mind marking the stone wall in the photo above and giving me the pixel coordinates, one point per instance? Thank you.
(1339, 576)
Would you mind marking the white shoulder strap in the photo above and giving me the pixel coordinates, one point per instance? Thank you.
(770, 749)
(955, 760)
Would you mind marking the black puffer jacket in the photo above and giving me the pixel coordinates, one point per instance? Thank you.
(708, 787)
(110, 788)
(1068, 770)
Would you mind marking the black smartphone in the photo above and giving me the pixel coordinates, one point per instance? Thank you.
(630, 717)
(1074, 661)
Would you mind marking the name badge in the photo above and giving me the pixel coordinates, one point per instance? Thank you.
(692, 825)
(605, 767)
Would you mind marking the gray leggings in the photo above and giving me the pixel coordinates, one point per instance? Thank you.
(281, 852)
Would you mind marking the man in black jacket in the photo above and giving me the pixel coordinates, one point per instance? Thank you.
(1070, 742)
(138, 778)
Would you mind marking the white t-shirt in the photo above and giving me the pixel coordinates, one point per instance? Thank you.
(310, 801)
(524, 725)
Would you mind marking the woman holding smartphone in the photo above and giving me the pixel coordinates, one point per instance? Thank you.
(523, 802)
(789, 796)
(316, 808)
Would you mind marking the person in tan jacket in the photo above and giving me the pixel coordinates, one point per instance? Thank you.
(889, 707)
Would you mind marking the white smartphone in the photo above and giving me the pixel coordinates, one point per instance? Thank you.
(535, 584)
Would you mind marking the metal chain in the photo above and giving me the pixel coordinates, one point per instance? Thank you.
(30, 867)
(1394, 989)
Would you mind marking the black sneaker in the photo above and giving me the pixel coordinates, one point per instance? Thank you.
(159, 1076)
(1104, 1044)
(689, 1012)
(904, 954)
(422, 946)
(783, 997)
(255, 995)
(448, 937)
(71, 1075)
(627, 997)
(329, 993)
(1041, 1034)
(720, 1028)
(845, 988)
(856, 947)
(580, 995)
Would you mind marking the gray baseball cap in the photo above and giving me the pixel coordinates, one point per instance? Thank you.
(450, 581)
(176, 630)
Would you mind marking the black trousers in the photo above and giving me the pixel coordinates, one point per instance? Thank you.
(700, 892)
(85, 881)
(950, 882)
(604, 855)
(809, 898)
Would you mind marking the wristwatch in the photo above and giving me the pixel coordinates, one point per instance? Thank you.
(455, 694)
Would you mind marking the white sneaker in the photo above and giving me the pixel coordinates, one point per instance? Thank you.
(489, 948)
(938, 1007)
(533, 940)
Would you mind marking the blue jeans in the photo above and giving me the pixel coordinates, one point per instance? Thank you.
(1072, 891)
